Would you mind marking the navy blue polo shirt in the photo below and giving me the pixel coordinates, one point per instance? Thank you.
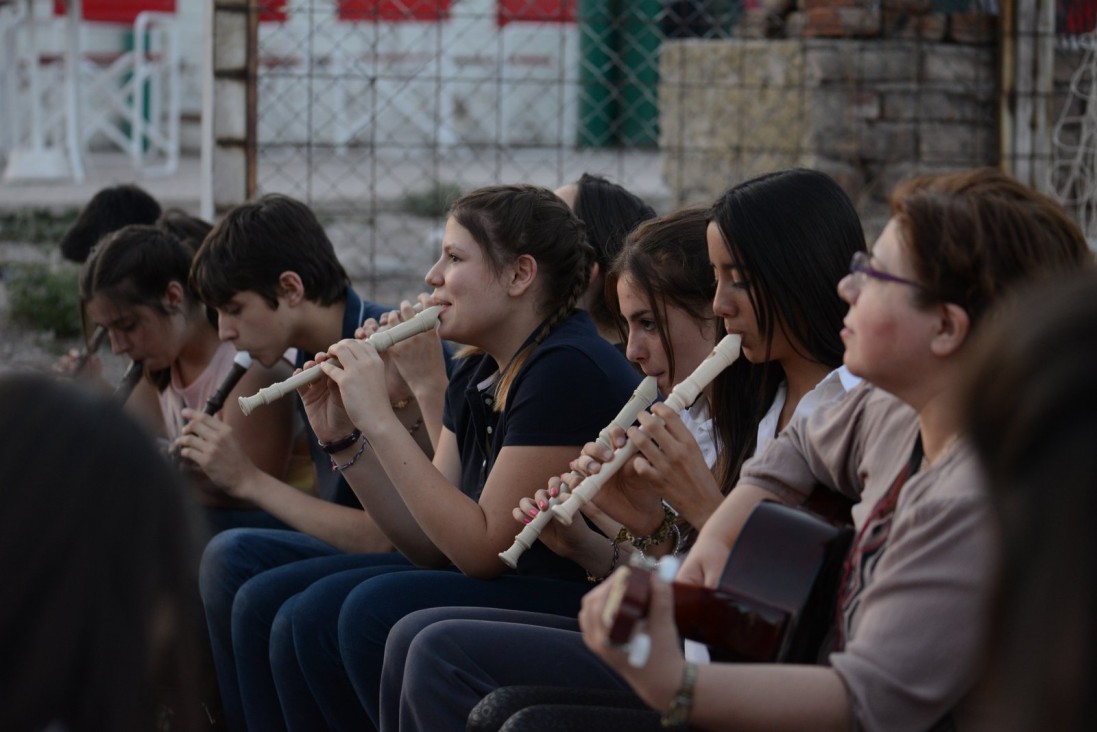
(330, 484)
(571, 386)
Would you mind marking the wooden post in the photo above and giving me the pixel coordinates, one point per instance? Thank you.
(231, 104)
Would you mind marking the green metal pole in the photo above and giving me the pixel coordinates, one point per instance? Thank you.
(597, 70)
(639, 42)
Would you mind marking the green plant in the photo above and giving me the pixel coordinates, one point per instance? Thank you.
(434, 202)
(35, 225)
(45, 299)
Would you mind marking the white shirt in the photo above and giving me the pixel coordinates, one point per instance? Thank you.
(698, 420)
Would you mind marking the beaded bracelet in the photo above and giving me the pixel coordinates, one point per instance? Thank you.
(361, 448)
(658, 537)
(677, 543)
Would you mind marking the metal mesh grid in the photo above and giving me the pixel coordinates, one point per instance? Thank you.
(377, 112)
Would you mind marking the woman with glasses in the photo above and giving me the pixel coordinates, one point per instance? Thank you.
(916, 584)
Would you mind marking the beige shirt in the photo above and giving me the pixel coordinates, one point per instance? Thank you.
(917, 633)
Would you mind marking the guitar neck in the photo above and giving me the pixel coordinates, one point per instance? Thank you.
(775, 600)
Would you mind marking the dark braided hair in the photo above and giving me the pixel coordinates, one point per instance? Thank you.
(512, 220)
(134, 266)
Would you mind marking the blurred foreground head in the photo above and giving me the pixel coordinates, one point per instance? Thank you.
(1030, 404)
(98, 551)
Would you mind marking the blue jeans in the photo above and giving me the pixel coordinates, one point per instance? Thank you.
(223, 519)
(241, 601)
(337, 628)
(449, 709)
(313, 690)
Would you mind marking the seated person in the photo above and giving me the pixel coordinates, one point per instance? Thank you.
(135, 286)
(917, 582)
(777, 290)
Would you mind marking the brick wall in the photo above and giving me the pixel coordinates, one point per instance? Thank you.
(866, 94)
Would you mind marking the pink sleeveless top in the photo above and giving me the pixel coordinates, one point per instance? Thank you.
(175, 397)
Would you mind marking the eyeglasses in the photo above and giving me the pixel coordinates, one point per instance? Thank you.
(860, 269)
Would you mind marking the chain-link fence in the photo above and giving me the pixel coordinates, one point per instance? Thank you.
(378, 112)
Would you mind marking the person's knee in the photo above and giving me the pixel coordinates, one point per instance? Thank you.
(421, 656)
(281, 635)
(255, 606)
(408, 627)
(219, 567)
(367, 614)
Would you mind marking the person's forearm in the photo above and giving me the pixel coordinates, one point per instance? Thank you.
(368, 480)
(347, 529)
(431, 401)
(768, 698)
(727, 520)
(454, 523)
(596, 554)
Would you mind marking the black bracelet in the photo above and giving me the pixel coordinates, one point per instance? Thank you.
(341, 444)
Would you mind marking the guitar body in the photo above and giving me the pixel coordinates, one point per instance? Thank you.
(776, 598)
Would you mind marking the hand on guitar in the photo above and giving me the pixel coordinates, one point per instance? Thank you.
(704, 564)
(656, 681)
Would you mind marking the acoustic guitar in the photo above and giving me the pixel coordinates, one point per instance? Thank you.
(776, 598)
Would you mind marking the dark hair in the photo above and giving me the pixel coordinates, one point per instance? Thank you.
(256, 242)
(509, 221)
(134, 266)
(609, 212)
(971, 235)
(667, 259)
(191, 231)
(99, 544)
(1031, 412)
(108, 210)
(792, 233)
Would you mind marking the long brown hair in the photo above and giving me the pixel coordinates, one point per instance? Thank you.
(134, 266)
(512, 220)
